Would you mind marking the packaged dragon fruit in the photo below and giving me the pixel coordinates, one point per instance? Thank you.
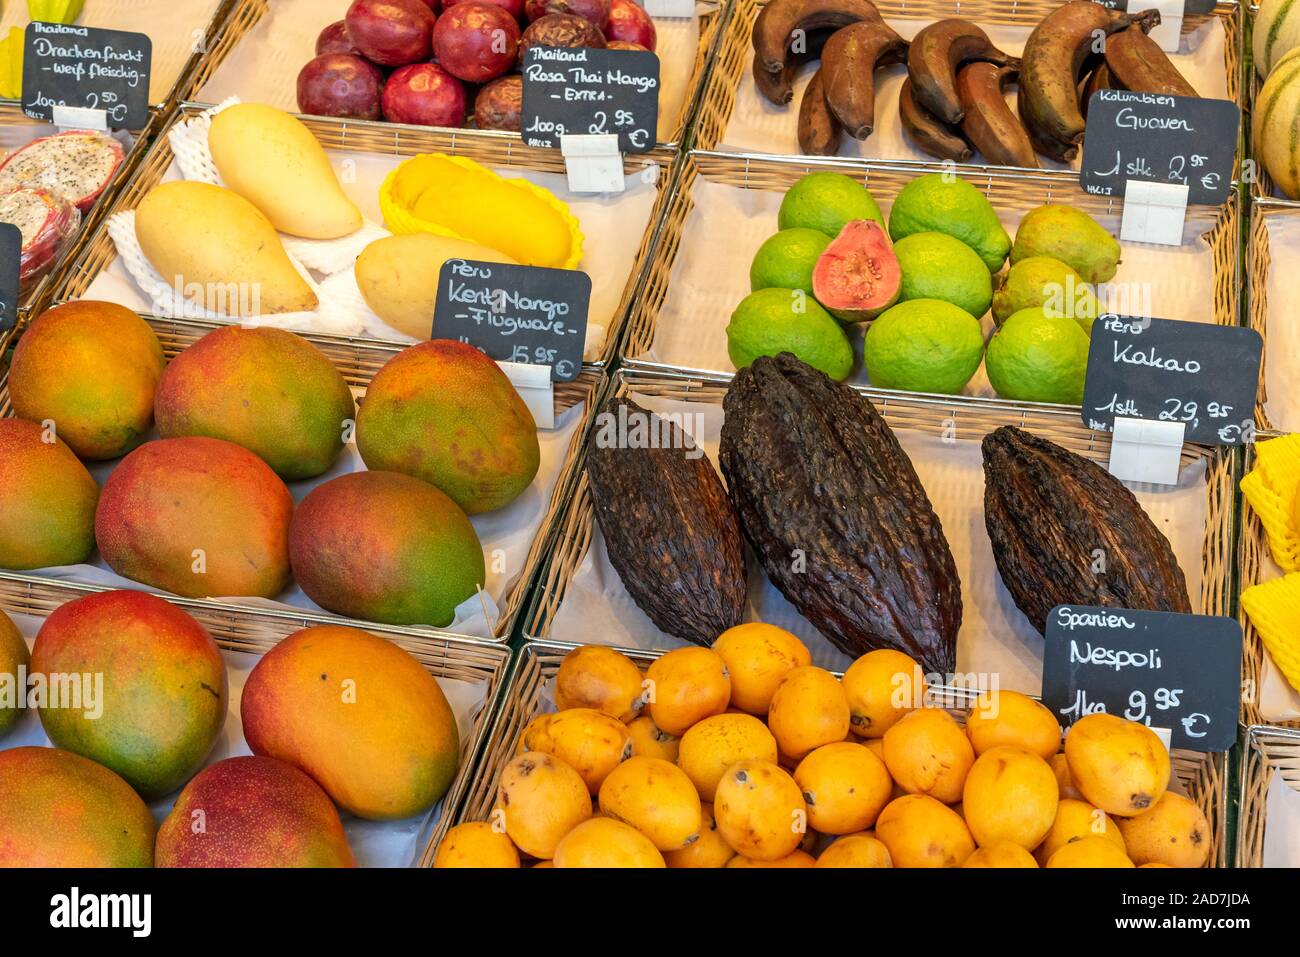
(77, 165)
(48, 223)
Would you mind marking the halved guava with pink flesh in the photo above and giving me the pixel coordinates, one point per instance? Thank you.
(858, 276)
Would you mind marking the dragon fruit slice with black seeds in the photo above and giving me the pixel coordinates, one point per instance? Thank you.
(77, 165)
(47, 222)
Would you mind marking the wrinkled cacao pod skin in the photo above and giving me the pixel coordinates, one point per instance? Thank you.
(670, 530)
(1048, 510)
(815, 472)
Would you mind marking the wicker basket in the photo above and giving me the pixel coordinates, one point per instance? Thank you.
(1011, 193)
(246, 14)
(359, 361)
(12, 117)
(1259, 264)
(255, 632)
(1253, 568)
(963, 421)
(491, 149)
(537, 662)
(735, 50)
(1264, 750)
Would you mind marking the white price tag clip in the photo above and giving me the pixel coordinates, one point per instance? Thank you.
(80, 118)
(681, 9)
(1166, 737)
(593, 162)
(533, 383)
(1145, 451)
(1154, 213)
(1169, 32)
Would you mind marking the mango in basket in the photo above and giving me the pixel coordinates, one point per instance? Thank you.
(47, 500)
(220, 250)
(13, 656)
(357, 713)
(272, 160)
(456, 197)
(399, 275)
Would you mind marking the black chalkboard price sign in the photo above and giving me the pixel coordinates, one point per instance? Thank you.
(1178, 672)
(1155, 138)
(1198, 373)
(11, 250)
(524, 314)
(89, 68)
(587, 91)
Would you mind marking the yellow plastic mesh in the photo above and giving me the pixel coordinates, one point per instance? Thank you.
(1273, 490)
(1274, 609)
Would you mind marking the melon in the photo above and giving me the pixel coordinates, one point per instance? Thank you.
(1276, 33)
(1276, 130)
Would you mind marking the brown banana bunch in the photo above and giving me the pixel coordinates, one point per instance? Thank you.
(819, 131)
(778, 88)
(849, 63)
(1052, 67)
(989, 124)
(935, 56)
(1136, 62)
(781, 23)
(929, 133)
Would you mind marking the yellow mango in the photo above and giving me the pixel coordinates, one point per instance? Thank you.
(220, 250)
(398, 276)
(272, 160)
(655, 797)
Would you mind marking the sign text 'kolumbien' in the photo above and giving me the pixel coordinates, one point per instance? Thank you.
(1198, 373)
(1165, 670)
(1157, 138)
(87, 68)
(587, 91)
(525, 314)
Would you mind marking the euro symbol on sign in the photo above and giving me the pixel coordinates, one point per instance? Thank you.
(637, 138)
(1191, 721)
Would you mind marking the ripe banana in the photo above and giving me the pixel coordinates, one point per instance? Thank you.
(848, 70)
(819, 131)
(927, 132)
(934, 57)
(778, 88)
(1052, 64)
(1137, 63)
(784, 23)
(989, 123)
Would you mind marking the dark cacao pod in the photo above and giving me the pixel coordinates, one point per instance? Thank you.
(1049, 511)
(831, 505)
(669, 528)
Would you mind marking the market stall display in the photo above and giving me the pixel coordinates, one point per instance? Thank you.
(174, 455)
(1269, 816)
(582, 590)
(841, 756)
(373, 822)
(1031, 258)
(268, 50)
(1018, 103)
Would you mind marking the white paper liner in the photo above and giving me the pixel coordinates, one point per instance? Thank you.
(613, 226)
(710, 277)
(373, 843)
(759, 126)
(995, 638)
(507, 536)
(1282, 825)
(1282, 349)
(174, 27)
(264, 65)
